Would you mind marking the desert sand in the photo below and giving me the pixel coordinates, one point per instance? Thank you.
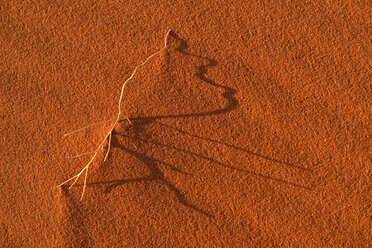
(251, 129)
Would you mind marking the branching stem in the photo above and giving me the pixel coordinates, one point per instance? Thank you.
(109, 134)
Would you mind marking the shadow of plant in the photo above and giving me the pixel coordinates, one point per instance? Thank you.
(155, 173)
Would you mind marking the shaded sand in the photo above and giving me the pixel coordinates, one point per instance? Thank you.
(252, 129)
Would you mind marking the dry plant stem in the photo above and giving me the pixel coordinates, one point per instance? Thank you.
(109, 134)
(92, 125)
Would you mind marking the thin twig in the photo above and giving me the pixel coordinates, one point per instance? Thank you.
(108, 149)
(92, 125)
(82, 154)
(109, 134)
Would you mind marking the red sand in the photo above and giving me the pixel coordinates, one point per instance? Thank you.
(252, 129)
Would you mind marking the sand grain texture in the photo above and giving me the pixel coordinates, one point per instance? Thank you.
(252, 129)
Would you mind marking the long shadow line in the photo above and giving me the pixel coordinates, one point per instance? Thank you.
(235, 147)
(214, 161)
